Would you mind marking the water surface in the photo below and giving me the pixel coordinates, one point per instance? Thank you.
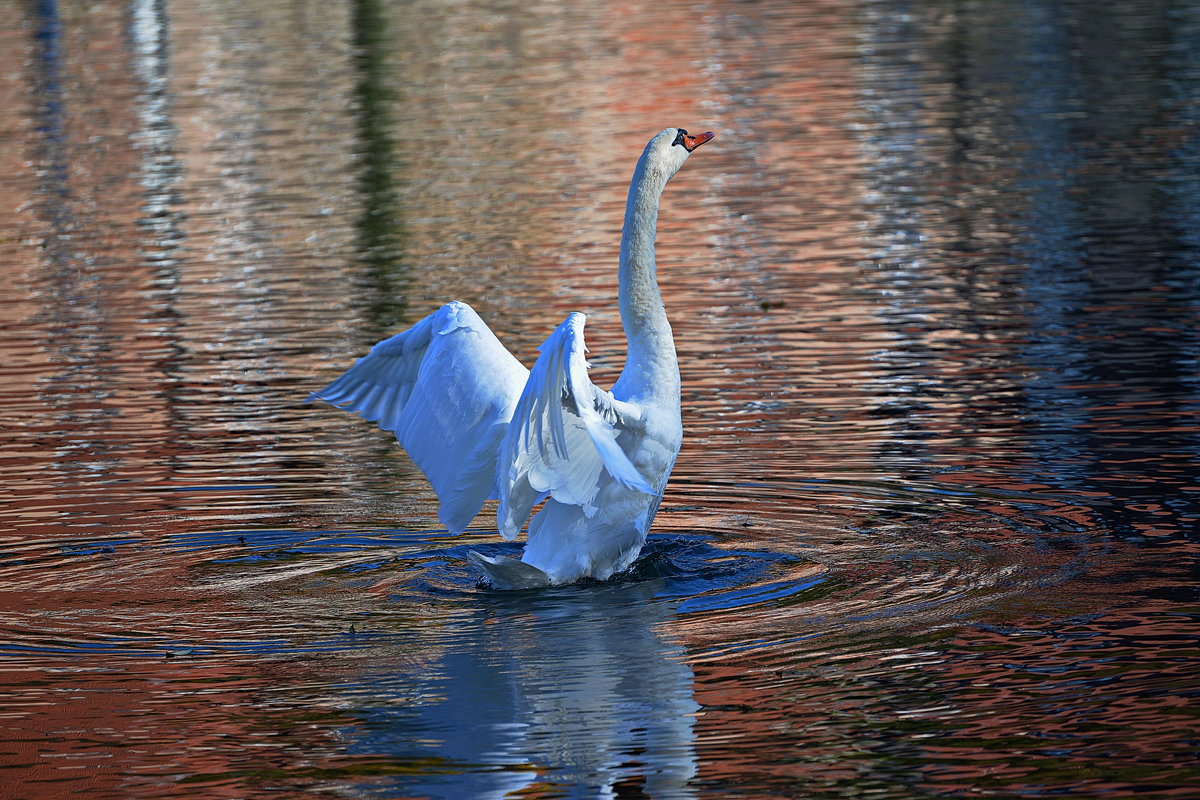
(933, 531)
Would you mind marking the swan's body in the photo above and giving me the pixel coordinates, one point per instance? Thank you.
(480, 426)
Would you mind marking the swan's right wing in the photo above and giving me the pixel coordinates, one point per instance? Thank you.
(447, 388)
(563, 439)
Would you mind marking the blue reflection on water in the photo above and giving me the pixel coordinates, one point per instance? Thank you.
(576, 688)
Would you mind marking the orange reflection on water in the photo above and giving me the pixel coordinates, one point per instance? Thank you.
(215, 206)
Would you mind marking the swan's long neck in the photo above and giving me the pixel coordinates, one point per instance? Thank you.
(651, 368)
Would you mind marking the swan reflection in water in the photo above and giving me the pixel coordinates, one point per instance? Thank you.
(573, 688)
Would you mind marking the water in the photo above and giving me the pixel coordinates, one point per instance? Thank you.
(933, 531)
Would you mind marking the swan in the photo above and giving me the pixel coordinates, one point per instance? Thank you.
(481, 426)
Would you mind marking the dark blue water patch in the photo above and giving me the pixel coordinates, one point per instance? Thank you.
(708, 578)
(725, 600)
(151, 648)
(311, 542)
(684, 568)
(97, 546)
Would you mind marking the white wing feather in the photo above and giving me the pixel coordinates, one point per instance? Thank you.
(447, 388)
(562, 440)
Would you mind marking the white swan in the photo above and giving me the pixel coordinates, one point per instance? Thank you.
(480, 426)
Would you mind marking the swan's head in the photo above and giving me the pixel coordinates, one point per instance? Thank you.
(668, 150)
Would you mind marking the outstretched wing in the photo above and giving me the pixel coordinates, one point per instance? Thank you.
(562, 441)
(447, 388)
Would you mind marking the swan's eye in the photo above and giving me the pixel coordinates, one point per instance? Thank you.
(679, 138)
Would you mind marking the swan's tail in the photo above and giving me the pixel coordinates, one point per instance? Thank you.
(509, 573)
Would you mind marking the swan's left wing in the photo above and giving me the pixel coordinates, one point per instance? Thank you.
(446, 387)
(563, 439)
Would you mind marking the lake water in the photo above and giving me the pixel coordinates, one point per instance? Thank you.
(934, 531)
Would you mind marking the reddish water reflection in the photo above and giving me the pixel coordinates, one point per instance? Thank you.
(933, 528)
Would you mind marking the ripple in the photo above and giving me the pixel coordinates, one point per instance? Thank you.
(680, 567)
(341, 590)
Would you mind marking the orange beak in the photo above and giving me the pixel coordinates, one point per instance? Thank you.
(691, 142)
